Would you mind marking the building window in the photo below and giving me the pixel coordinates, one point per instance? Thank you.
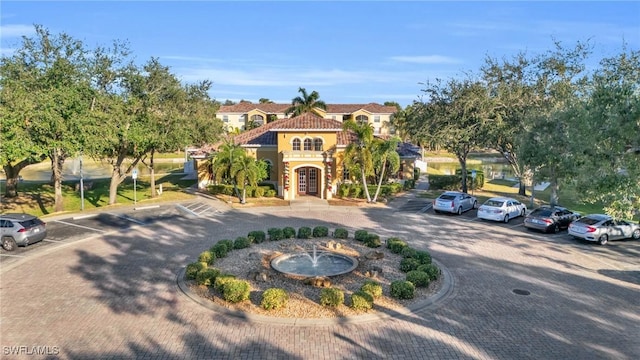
(307, 144)
(296, 144)
(225, 118)
(333, 117)
(345, 174)
(317, 144)
(376, 118)
(376, 131)
(362, 119)
(257, 120)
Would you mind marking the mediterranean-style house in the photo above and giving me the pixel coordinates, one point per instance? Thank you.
(305, 155)
(240, 115)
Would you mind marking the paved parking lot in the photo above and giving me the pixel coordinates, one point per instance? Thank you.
(517, 294)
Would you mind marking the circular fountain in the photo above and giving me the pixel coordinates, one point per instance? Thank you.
(318, 263)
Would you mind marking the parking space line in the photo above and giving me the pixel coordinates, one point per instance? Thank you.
(199, 207)
(80, 226)
(126, 217)
(515, 226)
(55, 241)
(19, 256)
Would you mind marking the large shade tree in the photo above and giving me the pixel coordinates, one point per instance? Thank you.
(609, 143)
(306, 103)
(51, 72)
(454, 116)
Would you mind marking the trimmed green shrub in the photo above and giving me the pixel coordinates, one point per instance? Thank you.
(222, 279)
(341, 233)
(220, 250)
(408, 264)
(228, 243)
(423, 257)
(360, 235)
(207, 276)
(270, 193)
(274, 298)
(431, 269)
(220, 189)
(259, 191)
(476, 183)
(408, 252)
(320, 231)
(361, 300)
(289, 232)
(373, 241)
(355, 191)
(373, 288)
(275, 234)
(257, 236)
(444, 182)
(402, 289)
(192, 270)
(396, 245)
(241, 242)
(344, 190)
(207, 257)
(304, 232)
(409, 184)
(416, 174)
(331, 297)
(418, 278)
(236, 290)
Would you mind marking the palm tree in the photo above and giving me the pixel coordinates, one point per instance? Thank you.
(248, 172)
(384, 153)
(306, 103)
(223, 163)
(358, 155)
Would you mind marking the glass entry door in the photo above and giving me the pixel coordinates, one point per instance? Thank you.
(302, 181)
(313, 181)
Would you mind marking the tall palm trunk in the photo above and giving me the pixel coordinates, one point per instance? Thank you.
(364, 184)
(384, 168)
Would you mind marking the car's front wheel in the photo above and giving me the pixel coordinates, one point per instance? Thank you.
(475, 205)
(603, 240)
(8, 243)
(636, 235)
(556, 228)
(522, 212)
(506, 218)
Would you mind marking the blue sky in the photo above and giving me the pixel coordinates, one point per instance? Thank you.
(348, 51)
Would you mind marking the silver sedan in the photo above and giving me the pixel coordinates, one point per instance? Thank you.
(602, 228)
(454, 202)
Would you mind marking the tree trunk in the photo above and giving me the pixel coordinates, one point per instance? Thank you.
(364, 184)
(375, 196)
(522, 190)
(244, 195)
(12, 174)
(57, 162)
(152, 181)
(463, 173)
(113, 187)
(553, 179)
(11, 185)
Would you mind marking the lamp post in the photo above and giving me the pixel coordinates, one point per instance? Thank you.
(81, 185)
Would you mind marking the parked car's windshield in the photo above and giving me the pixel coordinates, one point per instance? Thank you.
(447, 197)
(494, 203)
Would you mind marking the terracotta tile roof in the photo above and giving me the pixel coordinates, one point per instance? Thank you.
(266, 134)
(246, 107)
(331, 108)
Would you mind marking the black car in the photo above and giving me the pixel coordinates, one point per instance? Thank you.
(550, 219)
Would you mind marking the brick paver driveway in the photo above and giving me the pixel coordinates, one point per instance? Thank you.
(115, 296)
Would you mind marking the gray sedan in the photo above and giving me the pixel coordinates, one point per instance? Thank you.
(454, 202)
(602, 228)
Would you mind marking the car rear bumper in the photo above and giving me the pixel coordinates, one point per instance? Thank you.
(490, 216)
(445, 209)
(535, 226)
(31, 239)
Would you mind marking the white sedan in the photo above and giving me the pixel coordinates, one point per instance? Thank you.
(501, 209)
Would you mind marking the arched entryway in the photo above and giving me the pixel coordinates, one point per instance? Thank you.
(308, 181)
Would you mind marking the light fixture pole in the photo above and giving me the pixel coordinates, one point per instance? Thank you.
(81, 185)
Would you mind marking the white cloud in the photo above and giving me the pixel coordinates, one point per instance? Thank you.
(426, 59)
(16, 30)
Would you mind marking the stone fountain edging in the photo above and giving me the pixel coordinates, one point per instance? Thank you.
(446, 291)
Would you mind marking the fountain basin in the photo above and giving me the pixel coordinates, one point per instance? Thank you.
(324, 263)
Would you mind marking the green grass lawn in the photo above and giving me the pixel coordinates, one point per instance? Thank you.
(38, 198)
